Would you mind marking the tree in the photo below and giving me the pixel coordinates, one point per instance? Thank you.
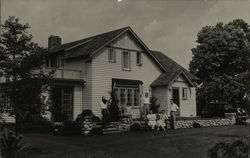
(219, 61)
(21, 62)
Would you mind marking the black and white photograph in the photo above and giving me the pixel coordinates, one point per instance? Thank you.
(124, 78)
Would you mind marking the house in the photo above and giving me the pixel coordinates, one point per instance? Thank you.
(87, 69)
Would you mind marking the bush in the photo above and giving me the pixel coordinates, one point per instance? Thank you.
(67, 128)
(96, 131)
(153, 106)
(113, 108)
(87, 114)
(71, 128)
(135, 127)
(12, 146)
(196, 125)
(36, 124)
(237, 149)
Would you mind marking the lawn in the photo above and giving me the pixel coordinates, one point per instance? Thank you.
(182, 143)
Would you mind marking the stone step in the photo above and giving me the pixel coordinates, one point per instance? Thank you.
(111, 132)
(7, 119)
(111, 129)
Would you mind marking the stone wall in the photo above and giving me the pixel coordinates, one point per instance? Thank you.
(204, 122)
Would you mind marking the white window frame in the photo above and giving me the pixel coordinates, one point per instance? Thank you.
(111, 55)
(139, 54)
(135, 102)
(184, 93)
(129, 61)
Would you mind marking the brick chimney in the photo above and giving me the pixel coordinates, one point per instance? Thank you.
(54, 41)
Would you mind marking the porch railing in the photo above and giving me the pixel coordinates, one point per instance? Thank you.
(66, 74)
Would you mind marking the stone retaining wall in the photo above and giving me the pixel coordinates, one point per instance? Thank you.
(204, 123)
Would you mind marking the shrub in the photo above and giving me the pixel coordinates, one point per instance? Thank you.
(135, 127)
(70, 128)
(87, 112)
(196, 125)
(12, 146)
(113, 108)
(237, 149)
(36, 124)
(96, 131)
(153, 106)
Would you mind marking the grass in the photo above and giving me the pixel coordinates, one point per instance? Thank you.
(182, 143)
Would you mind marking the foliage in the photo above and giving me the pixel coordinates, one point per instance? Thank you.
(96, 131)
(153, 106)
(196, 125)
(57, 115)
(135, 127)
(36, 124)
(21, 62)
(87, 114)
(67, 128)
(12, 146)
(237, 149)
(113, 108)
(219, 61)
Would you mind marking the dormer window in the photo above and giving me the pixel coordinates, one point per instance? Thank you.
(54, 61)
(111, 55)
(138, 59)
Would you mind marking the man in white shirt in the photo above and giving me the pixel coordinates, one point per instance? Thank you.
(105, 112)
(146, 102)
(173, 110)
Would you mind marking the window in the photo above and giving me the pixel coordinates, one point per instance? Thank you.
(111, 55)
(62, 103)
(136, 97)
(126, 60)
(184, 93)
(5, 100)
(128, 96)
(138, 59)
(54, 61)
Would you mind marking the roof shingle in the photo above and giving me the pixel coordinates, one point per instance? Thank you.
(86, 46)
(172, 69)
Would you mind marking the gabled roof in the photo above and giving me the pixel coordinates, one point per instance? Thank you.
(86, 46)
(172, 71)
(91, 45)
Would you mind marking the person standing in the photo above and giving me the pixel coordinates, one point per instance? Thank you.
(146, 102)
(105, 112)
(173, 110)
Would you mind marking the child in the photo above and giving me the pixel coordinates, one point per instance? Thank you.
(151, 120)
(128, 112)
(161, 122)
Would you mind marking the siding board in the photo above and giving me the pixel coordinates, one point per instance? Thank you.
(103, 72)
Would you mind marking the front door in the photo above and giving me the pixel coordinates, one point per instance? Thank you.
(176, 96)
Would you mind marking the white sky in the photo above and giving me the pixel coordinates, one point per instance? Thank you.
(165, 25)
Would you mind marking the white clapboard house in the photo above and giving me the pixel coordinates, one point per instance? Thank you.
(118, 60)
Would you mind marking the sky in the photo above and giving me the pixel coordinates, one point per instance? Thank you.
(170, 26)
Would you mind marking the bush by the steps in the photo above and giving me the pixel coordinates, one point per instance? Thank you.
(135, 127)
(67, 128)
(96, 131)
